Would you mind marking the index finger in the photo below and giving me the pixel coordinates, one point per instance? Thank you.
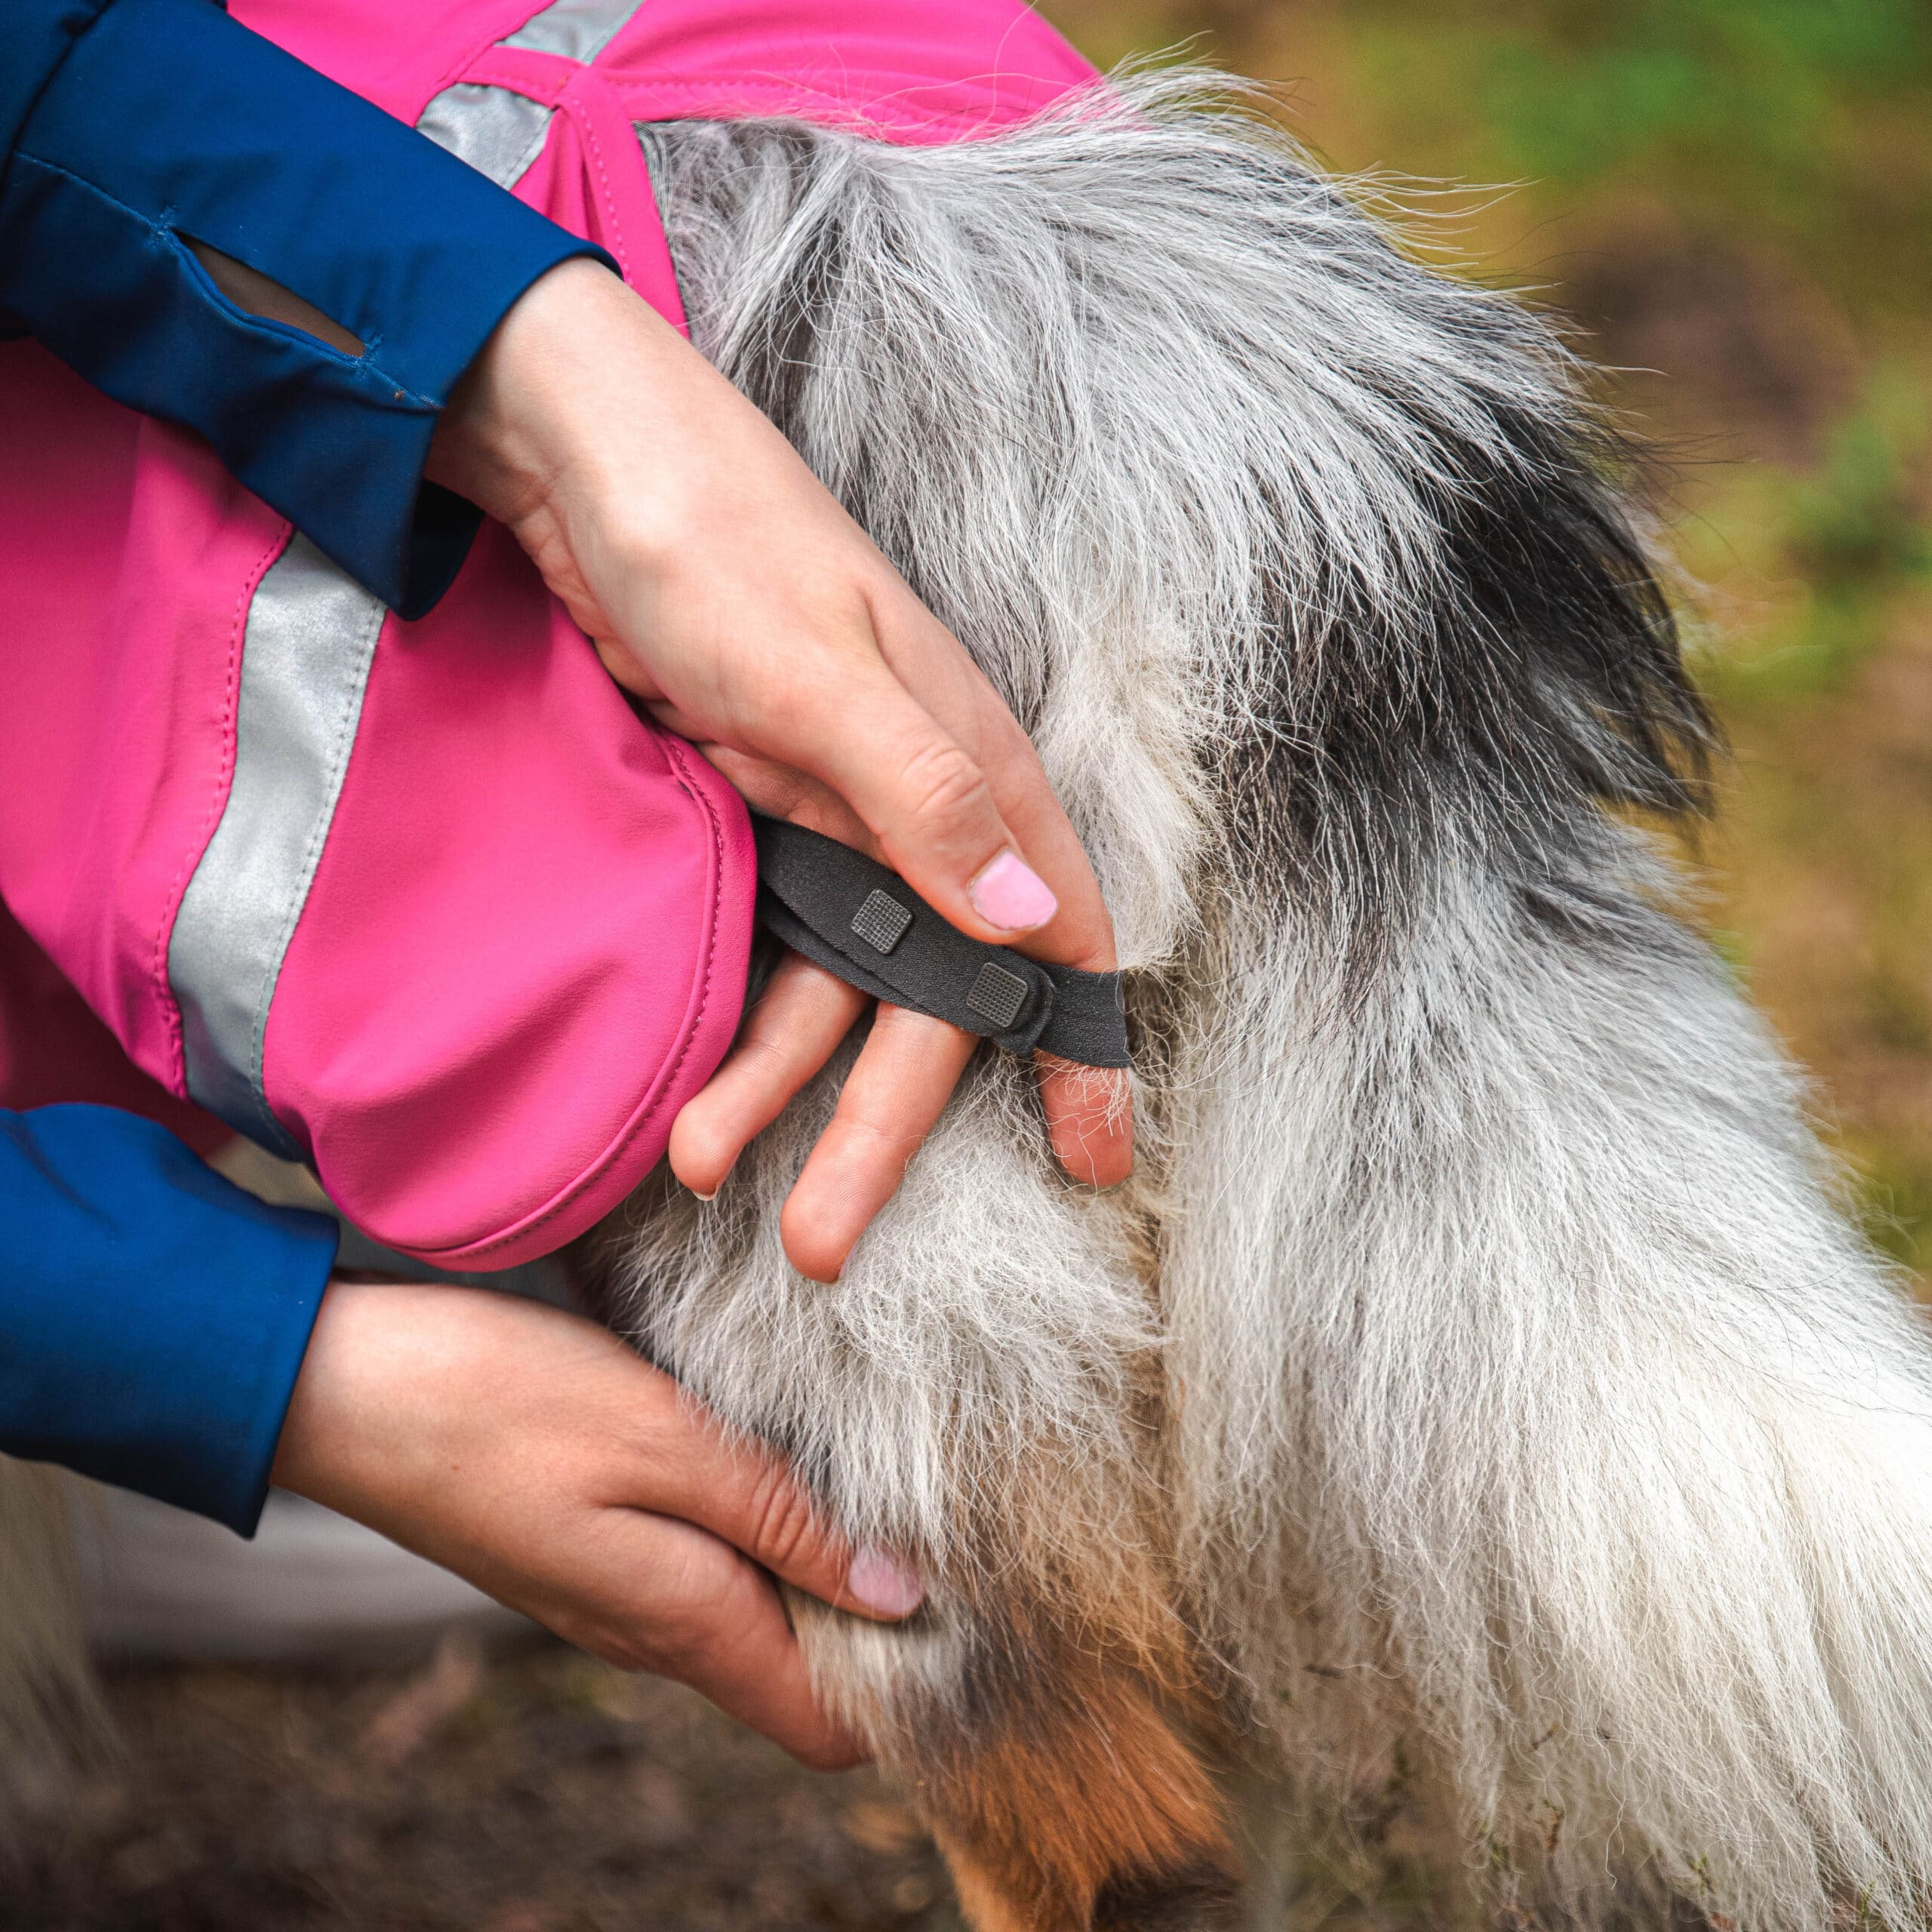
(714, 1621)
(1089, 1110)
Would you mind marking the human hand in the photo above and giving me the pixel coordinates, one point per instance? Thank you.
(531, 1452)
(722, 583)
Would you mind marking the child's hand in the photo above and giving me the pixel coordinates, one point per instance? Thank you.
(723, 584)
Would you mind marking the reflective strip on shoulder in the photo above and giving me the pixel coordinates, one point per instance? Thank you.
(499, 131)
(306, 651)
(578, 29)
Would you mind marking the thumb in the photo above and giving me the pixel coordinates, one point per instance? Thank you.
(929, 804)
(747, 1495)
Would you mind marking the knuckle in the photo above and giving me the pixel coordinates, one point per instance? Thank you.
(947, 792)
(679, 1646)
(766, 1050)
(875, 1137)
(784, 1526)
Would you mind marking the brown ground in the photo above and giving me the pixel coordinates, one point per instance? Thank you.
(528, 1788)
(535, 1791)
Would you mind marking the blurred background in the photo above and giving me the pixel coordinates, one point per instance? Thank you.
(1729, 203)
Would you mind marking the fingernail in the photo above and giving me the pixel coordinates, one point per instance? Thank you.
(1009, 895)
(882, 1583)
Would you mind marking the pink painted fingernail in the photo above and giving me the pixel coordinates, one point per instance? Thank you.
(1009, 895)
(882, 1583)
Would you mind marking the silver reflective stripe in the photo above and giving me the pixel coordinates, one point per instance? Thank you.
(499, 132)
(578, 29)
(310, 640)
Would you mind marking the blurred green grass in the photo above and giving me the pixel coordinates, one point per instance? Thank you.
(1730, 204)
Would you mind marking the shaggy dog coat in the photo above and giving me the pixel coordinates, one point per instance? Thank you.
(1478, 1388)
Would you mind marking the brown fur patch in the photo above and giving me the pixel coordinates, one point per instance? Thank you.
(1088, 1811)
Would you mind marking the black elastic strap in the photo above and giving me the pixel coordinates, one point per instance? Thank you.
(865, 924)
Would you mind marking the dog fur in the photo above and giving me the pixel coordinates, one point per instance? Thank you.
(50, 1715)
(1480, 1372)
(1480, 1381)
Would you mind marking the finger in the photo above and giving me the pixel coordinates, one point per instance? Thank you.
(921, 796)
(745, 1493)
(688, 1606)
(1089, 1119)
(783, 790)
(942, 676)
(794, 1029)
(1089, 1112)
(897, 1088)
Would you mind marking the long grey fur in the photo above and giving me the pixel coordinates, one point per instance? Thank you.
(1532, 1408)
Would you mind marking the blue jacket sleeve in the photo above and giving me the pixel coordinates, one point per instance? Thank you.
(153, 1317)
(129, 128)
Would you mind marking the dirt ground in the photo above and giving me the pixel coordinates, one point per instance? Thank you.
(529, 1790)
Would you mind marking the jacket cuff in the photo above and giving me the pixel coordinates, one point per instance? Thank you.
(153, 1317)
(241, 146)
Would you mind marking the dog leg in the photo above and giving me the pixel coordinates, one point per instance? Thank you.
(1057, 1775)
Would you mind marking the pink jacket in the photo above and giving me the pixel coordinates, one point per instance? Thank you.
(423, 904)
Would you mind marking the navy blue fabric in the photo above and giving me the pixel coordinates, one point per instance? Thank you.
(34, 36)
(153, 1317)
(164, 118)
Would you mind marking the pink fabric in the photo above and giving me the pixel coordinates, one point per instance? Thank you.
(128, 555)
(525, 944)
(909, 71)
(53, 1048)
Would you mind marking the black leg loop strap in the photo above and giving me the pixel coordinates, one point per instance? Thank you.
(868, 926)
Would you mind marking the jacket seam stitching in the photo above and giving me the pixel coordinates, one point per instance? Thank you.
(168, 237)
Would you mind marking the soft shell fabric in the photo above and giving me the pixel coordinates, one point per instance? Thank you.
(127, 129)
(425, 904)
(228, 1288)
